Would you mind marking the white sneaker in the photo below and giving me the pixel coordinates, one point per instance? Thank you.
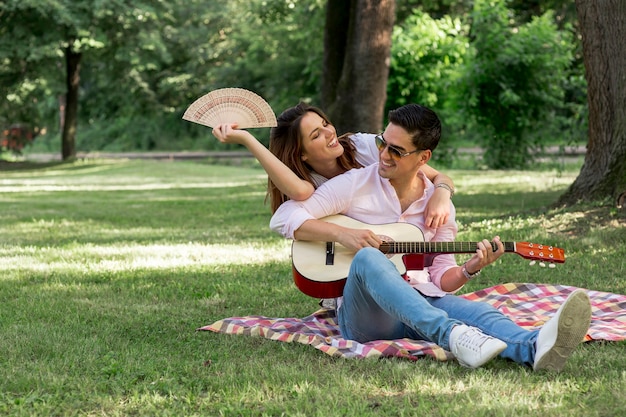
(563, 332)
(473, 348)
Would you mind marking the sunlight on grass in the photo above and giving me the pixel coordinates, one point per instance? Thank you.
(61, 232)
(131, 257)
(92, 175)
(472, 386)
(53, 186)
(508, 181)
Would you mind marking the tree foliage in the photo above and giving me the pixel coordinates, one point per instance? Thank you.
(46, 41)
(143, 61)
(275, 49)
(426, 55)
(28, 50)
(514, 81)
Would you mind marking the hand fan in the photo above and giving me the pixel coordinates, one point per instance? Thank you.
(231, 105)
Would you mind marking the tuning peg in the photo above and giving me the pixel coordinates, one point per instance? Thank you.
(551, 265)
(541, 264)
(532, 263)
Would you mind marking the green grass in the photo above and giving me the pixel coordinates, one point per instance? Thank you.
(107, 268)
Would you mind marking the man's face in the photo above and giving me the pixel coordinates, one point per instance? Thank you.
(392, 165)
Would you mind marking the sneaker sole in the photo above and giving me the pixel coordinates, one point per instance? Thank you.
(571, 332)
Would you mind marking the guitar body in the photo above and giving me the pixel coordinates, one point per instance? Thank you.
(310, 258)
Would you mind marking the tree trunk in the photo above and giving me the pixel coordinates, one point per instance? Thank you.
(335, 42)
(364, 39)
(68, 140)
(603, 30)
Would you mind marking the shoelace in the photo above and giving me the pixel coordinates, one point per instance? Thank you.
(472, 339)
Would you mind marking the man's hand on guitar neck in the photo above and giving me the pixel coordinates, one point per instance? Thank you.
(485, 255)
(455, 278)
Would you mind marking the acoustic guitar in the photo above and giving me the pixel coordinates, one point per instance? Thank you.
(320, 269)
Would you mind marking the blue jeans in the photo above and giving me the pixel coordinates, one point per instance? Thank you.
(378, 304)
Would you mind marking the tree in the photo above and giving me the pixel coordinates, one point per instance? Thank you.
(46, 38)
(357, 47)
(514, 82)
(70, 119)
(603, 29)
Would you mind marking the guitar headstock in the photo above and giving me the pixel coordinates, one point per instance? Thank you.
(539, 252)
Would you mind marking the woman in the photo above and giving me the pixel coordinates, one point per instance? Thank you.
(305, 151)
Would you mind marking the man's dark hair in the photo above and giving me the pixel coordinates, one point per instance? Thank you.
(420, 122)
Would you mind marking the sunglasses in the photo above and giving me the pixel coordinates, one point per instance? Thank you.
(394, 152)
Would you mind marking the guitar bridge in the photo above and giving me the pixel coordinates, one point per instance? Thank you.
(330, 253)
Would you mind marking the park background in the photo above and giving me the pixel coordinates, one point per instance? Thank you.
(508, 76)
(139, 64)
(109, 265)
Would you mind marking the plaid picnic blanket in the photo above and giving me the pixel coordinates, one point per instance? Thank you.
(529, 305)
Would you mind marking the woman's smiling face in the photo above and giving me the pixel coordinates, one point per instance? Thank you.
(319, 140)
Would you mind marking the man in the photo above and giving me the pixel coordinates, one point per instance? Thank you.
(378, 303)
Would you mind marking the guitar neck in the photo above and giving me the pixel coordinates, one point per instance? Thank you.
(438, 247)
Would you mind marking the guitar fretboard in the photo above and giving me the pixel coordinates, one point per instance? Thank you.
(438, 247)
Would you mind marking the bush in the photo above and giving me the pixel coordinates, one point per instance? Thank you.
(514, 82)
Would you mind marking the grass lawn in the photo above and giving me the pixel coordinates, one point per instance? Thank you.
(107, 268)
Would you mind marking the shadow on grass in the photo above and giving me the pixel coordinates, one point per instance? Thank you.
(477, 207)
(29, 165)
(587, 219)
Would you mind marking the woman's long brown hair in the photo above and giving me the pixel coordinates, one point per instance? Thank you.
(286, 144)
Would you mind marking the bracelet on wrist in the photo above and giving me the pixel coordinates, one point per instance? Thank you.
(466, 274)
(446, 187)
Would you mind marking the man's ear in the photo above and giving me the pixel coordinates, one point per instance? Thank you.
(425, 156)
